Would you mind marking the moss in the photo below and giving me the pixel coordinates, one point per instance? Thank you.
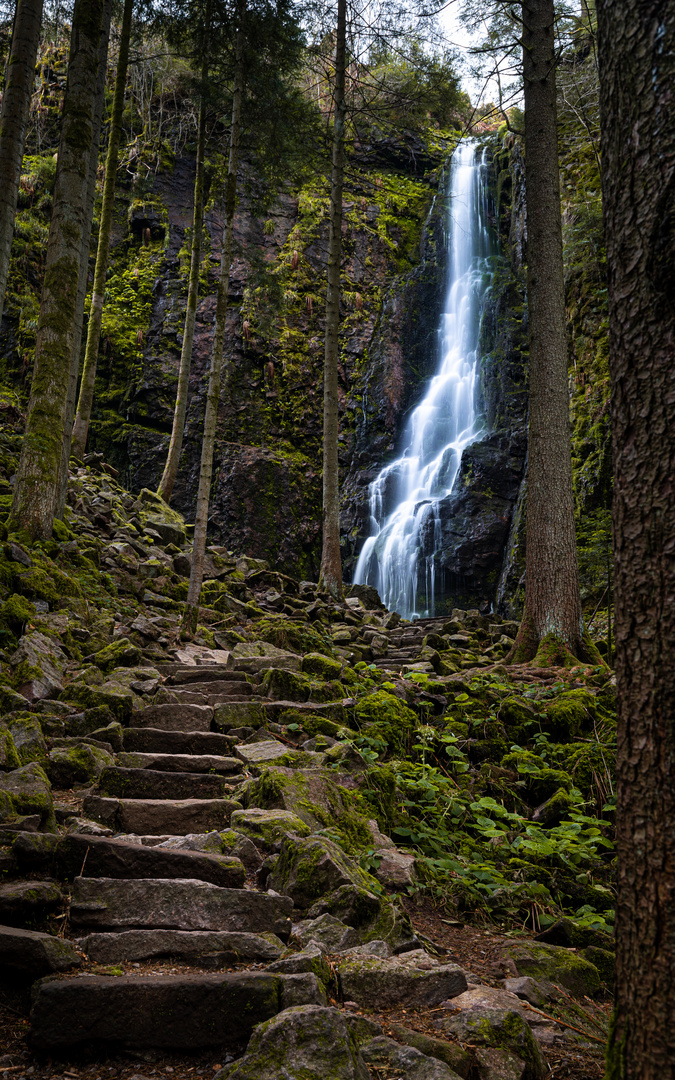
(120, 653)
(292, 636)
(15, 613)
(9, 758)
(562, 966)
(384, 717)
(571, 714)
(324, 666)
(28, 740)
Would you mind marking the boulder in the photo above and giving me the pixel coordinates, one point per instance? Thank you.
(308, 869)
(28, 791)
(327, 931)
(9, 759)
(323, 666)
(314, 795)
(498, 1064)
(80, 764)
(563, 967)
(396, 870)
(29, 954)
(29, 740)
(310, 959)
(261, 753)
(177, 1012)
(411, 979)
(44, 661)
(397, 1060)
(449, 1052)
(259, 655)
(180, 904)
(495, 1018)
(307, 1042)
(227, 947)
(267, 827)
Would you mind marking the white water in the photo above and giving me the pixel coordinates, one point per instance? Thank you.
(399, 558)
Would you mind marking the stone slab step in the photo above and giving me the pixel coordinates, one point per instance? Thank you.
(180, 675)
(178, 904)
(334, 710)
(230, 947)
(171, 1012)
(224, 687)
(178, 763)
(158, 740)
(176, 816)
(28, 954)
(235, 714)
(175, 717)
(262, 753)
(125, 783)
(112, 857)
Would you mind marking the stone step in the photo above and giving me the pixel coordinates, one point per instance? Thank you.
(175, 717)
(165, 1012)
(177, 904)
(263, 753)
(126, 783)
(219, 688)
(179, 763)
(233, 714)
(221, 946)
(181, 675)
(112, 857)
(157, 817)
(157, 740)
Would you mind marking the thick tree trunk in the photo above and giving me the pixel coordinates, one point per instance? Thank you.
(330, 577)
(99, 107)
(636, 40)
(176, 444)
(35, 492)
(14, 121)
(191, 613)
(81, 425)
(552, 626)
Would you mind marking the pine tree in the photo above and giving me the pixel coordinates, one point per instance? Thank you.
(636, 46)
(86, 398)
(36, 488)
(14, 121)
(330, 577)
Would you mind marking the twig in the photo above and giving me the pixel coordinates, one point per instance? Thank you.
(564, 1023)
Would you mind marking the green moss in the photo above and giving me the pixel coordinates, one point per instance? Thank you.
(120, 653)
(15, 613)
(9, 758)
(571, 714)
(324, 666)
(384, 717)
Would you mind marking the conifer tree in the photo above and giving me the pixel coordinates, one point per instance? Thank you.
(330, 577)
(14, 121)
(36, 487)
(86, 397)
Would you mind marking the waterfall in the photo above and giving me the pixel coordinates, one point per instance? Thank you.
(400, 555)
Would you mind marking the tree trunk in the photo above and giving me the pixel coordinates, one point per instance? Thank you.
(14, 121)
(35, 491)
(330, 577)
(551, 630)
(176, 444)
(191, 613)
(99, 107)
(81, 425)
(636, 44)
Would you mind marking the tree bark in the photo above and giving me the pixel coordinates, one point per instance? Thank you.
(99, 107)
(35, 492)
(86, 398)
(14, 121)
(636, 45)
(330, 577)
(176, 444)
(191, 613)
(551, 630)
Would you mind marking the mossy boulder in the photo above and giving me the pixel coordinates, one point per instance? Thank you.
(571, 714)
(604, 960)
(80, 764)
(267, 827)
(385, 717)
(308, 869)
(563, 967)
(292, 636)
(9, 759)
(15, 612)
(314, 796)
(120, 653)
(282, 685)
(29, 792)
(325, 667)
(11, 700)
(29, 740)
(484, 1019)
(85, 723)
(554, 809)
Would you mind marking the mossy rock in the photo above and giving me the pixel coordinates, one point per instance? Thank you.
(29, 740)
(281, 685)
(563, 967)
(325, 667)
(92, 719)
(314, 796)
(571, 714)
(309, 869)
(70, 765)
(555, 809)
(268, 827)
(27, 791)
(9, 759)
(292, 636)
(604, 960)
(15, 613)
(383, 716)
(486, 1025)
(120, 653)
(11, 701)
(312, 723)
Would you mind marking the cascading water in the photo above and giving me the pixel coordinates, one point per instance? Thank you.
(399, 558)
